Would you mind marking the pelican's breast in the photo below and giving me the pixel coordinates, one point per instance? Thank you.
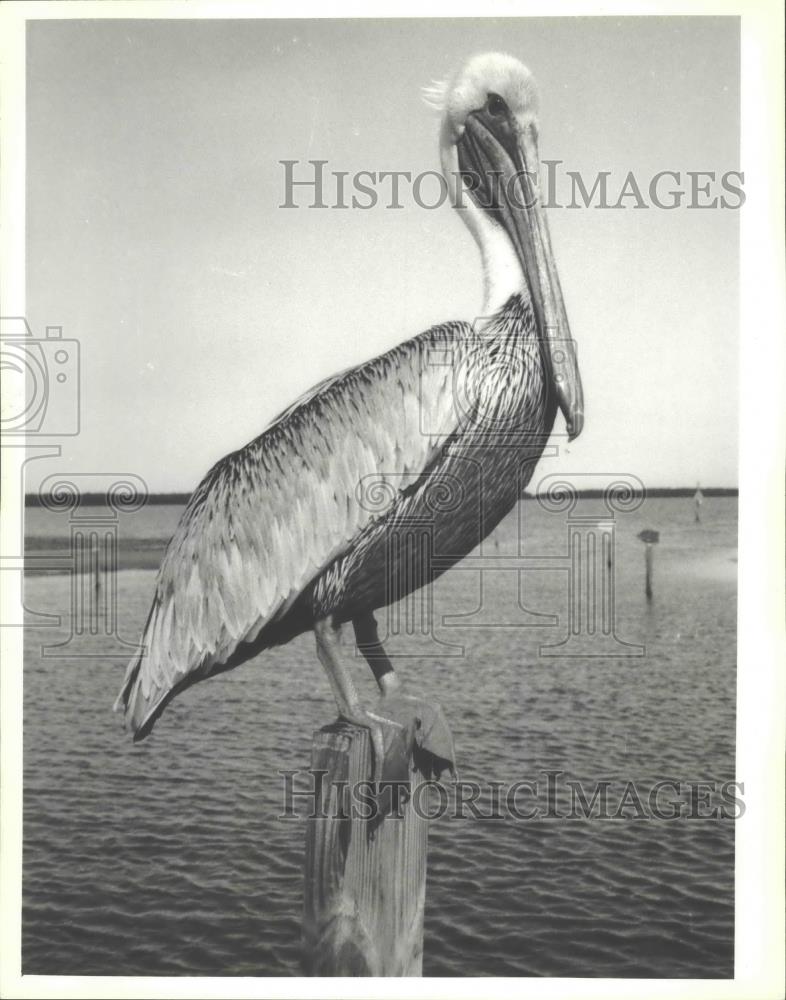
(501, 394)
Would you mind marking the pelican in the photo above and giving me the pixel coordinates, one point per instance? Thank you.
(280, 538)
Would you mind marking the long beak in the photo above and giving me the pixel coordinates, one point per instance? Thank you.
(504, 169)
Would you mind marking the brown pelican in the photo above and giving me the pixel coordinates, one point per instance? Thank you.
(280, 538)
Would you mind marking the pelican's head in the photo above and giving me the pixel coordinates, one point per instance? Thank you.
(490, 158)
(494, 83)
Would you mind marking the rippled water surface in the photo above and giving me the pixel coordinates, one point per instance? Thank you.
(168, 858)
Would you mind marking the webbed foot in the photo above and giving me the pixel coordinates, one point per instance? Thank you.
(433, 746)
(388, 744)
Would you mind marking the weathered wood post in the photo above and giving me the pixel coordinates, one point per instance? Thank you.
(650, 538)
(365, 875)
(698, 500)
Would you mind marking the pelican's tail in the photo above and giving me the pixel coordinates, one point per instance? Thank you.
(141, 699)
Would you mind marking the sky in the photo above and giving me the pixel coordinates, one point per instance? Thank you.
(156, 238)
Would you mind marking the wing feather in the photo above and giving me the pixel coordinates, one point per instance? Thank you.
(268, 519)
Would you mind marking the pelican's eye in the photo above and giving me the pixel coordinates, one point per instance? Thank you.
(496, 107)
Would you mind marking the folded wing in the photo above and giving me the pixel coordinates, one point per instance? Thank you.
(267, 519)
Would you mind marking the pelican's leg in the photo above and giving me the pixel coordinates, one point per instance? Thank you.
(432, 732)
(367, 638)
(328, 634)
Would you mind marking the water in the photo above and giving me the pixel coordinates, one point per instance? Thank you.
(167, 858)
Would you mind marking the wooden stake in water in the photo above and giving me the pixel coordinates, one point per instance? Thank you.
(648, 561)
(698, 499)
(650, 539)
(365, 879)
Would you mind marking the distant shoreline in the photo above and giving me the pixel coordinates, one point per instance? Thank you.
(172, 499)
(48, 554)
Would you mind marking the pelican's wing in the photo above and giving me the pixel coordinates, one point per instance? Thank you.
(267, 519)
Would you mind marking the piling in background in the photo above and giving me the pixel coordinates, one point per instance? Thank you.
(650, 539)
(648, 562)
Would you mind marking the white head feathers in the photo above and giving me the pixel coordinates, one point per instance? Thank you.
(435, 94)
(491, 72)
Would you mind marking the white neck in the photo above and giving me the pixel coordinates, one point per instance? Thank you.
(502, 273)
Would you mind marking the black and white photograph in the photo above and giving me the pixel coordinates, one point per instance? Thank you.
(393, 455)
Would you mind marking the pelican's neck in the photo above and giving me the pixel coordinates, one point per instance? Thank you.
(502, 273)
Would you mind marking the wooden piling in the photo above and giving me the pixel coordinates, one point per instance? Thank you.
(650, 539)
(648, 563)
(365, 880)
